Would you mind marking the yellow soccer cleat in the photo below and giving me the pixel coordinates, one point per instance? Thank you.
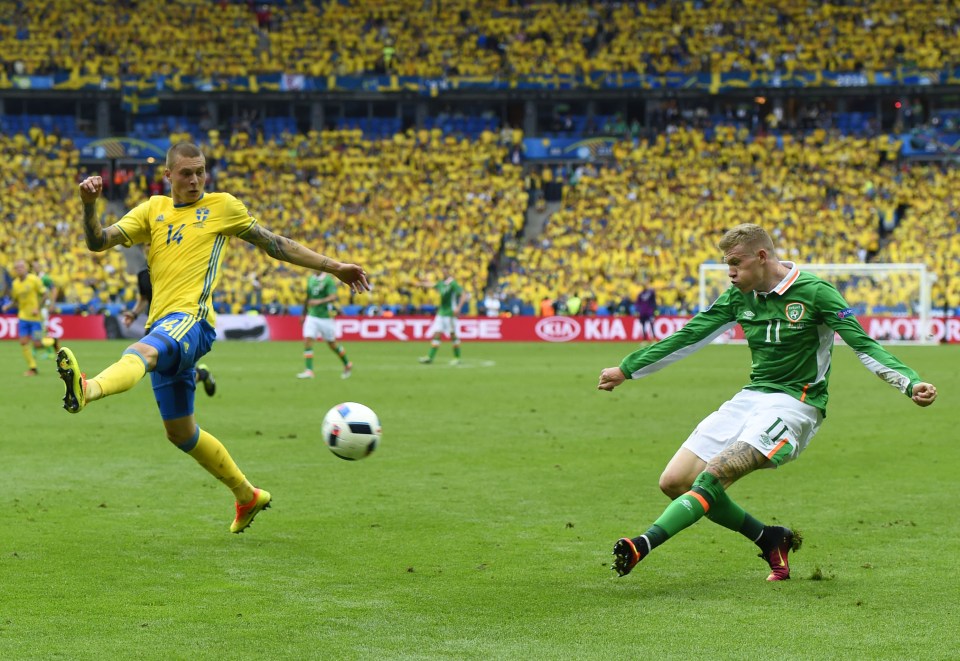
(75, 382)
(245, 513)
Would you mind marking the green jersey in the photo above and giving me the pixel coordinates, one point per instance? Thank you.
(449, 297)
(321, 285)
(790, 331)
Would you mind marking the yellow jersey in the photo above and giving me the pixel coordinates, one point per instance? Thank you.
(187, 247)
(28, 294)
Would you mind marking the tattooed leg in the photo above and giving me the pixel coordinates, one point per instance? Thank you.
(734, 462)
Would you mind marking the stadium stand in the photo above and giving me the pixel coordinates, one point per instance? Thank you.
(475, 38)
(454, 188)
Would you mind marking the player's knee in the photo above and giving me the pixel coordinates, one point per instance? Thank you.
(674, 484)
(179, 436)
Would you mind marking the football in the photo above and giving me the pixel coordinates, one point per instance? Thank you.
(351, 431)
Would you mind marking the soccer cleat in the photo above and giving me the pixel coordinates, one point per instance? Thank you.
(75, 381)
(347, 371)
(455, 362)
(426, 360)
(305, 374)
(626, 556)
(31, 372)
(245, 513)
(209, 383)
(776, 556)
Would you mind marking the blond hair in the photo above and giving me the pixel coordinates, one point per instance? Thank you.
(182, 150)
(746, 235)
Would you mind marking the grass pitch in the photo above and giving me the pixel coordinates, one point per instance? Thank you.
(481, 528)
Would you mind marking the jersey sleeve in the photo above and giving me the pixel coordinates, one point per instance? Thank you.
(839, 316)
(237, 220)
(700, 331)
(135, 225)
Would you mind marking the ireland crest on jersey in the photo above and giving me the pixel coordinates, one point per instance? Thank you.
(794, 312)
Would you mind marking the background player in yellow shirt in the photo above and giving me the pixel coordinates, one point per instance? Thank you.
(188, 233)
(29, 294)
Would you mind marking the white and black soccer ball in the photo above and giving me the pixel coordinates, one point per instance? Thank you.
(351, 431)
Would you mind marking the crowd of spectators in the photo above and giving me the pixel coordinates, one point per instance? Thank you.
(409, 205)
(434, 38)
(405, 207)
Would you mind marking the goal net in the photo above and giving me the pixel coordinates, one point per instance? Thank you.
(892, 301)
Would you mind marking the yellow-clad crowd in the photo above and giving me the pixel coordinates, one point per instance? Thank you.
(38, 214)
(208, 38)
(409, 206)
(406, 208)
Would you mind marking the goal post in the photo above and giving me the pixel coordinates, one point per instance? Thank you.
(893, 301)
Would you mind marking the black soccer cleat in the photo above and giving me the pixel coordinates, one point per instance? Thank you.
(626, 556)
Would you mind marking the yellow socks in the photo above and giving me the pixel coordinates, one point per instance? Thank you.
(28, 356)
(119, 377)
(210, 453)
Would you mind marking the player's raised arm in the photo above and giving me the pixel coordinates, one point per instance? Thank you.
(98, 238)
(288, 250)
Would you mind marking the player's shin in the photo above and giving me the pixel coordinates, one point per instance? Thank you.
(730, 515)
(28, 356)
(213, 456)
(119, 377)
(686, 510)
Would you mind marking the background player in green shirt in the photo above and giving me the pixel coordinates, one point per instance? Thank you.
(452, 298)
(53, 293)
(318, 321)
(789, 318)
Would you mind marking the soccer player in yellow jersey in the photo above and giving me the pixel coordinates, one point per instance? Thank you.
(29, 294)
(188, 234)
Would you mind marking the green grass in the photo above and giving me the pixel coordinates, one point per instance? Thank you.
(481, 528)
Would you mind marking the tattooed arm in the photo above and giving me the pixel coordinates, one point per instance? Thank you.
(288, 250)
(98, 238)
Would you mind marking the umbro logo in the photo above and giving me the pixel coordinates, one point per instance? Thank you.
(749, 314)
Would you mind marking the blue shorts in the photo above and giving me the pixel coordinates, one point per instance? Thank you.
(181, 340)
(31, 329)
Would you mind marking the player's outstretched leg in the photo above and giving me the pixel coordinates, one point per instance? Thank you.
(246, 512)
(627, 553)
(69, 369)
(205, 376)
(776, 543)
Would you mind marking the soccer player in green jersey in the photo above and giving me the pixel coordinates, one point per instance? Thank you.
(53, 293)
(452, 298)
(188, 233)
(789, 318)
(318, 321)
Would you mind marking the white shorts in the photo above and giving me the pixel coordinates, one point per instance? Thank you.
(445, 325)
(776, 424)
(314, 327)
